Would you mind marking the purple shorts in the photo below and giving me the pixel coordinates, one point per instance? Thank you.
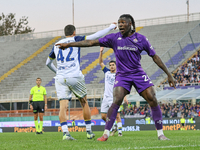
(139, 80)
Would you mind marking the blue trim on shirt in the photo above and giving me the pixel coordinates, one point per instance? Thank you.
(79, 38)
(52, 54)
(105, 69)
(63, 123)
(79, 54)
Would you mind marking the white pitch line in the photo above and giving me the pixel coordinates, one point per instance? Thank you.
(171, 146)
(153, 147)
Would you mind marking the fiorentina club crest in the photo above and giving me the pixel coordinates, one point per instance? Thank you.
(159, 121)
(135, 40)
(107, 119)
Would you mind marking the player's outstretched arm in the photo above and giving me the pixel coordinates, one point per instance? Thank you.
(160, 63)
(101, 32)
(101, 57)
(85, 43)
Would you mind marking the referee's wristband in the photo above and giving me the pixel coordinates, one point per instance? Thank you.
(30, 102)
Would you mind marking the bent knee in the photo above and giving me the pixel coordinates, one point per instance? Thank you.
(83, 100)
(153, 101)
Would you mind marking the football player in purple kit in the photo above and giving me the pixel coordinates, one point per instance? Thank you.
(128, 45)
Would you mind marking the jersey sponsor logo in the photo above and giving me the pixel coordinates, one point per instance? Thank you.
(110, 79)
(119, 38)
(67, 67)
(38, 90)
(131, 48)
(135, 40)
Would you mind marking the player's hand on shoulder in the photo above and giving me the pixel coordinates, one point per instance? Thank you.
(62, 45)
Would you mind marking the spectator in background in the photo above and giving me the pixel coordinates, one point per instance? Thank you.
(131, 112)
(194, 58)
(179, 114)
(192, 113)
(142, 112)
(186, 113)
(188, 73)
(195, 114)
(190, 64)
(186, 109)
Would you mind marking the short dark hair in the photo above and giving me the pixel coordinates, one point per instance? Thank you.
(39, 78)
(69, 29)
(128, 16)
(112, 61)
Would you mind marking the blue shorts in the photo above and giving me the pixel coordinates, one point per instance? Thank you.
(139, 80)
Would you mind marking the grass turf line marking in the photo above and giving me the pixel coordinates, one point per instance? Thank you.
(156, 147)
(171, 146)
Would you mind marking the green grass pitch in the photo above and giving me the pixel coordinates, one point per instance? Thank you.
(130, 140)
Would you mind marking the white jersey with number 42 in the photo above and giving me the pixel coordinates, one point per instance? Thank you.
(68, 60)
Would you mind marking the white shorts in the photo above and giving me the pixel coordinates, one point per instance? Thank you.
(105, 105)
(65, 87)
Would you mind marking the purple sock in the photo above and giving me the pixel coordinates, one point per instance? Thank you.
(111, 116)
(157, 117)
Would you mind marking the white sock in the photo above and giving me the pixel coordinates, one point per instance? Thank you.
(107, 132)
(88, 127)
(65, 128)
(160, 132)
(119, 126)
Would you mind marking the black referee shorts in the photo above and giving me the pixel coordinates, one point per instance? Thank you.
(38, 106)
(183, 124)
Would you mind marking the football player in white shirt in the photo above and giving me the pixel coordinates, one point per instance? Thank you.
(69, 77)
(108, 92)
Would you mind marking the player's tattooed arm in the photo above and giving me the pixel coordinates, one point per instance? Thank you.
(160, 64)
(85, 43)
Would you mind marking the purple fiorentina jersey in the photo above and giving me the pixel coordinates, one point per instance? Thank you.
(127, 51)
